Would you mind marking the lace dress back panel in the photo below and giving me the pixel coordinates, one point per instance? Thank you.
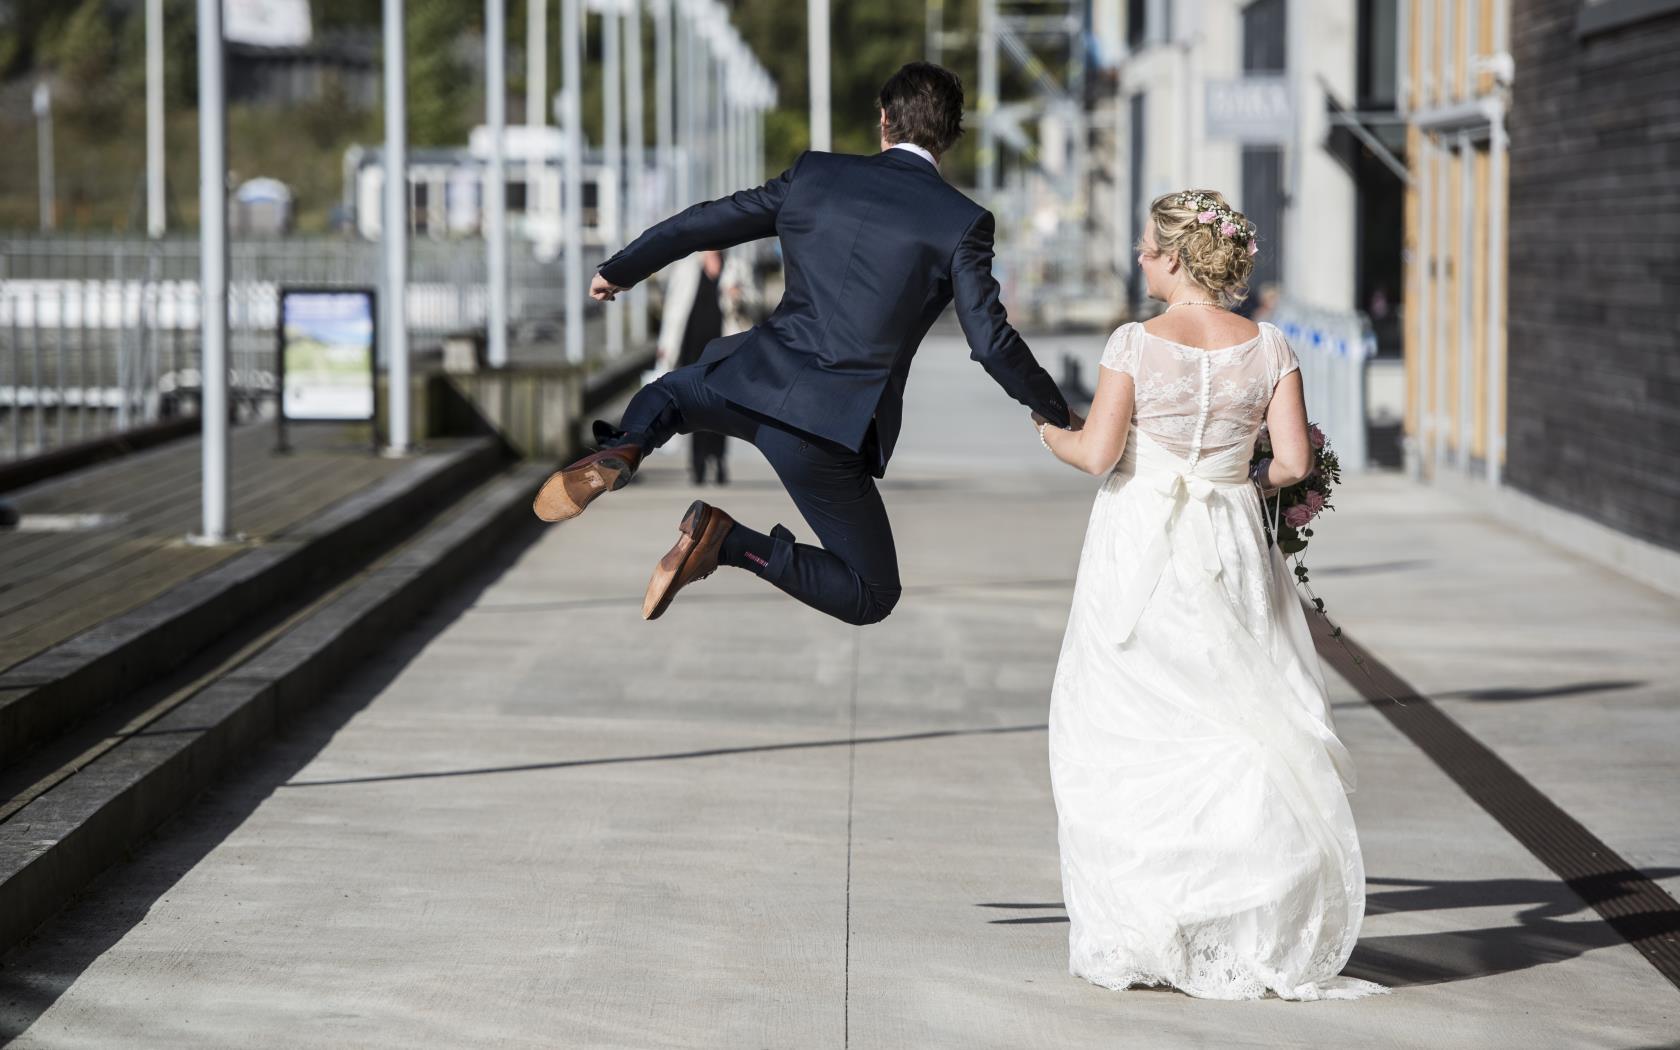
(1200, 402)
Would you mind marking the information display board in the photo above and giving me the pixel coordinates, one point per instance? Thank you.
(327, 353)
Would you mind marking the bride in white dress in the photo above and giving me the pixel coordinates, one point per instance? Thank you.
(1201, 792)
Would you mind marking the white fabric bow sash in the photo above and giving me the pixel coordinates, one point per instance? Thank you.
(1183, 516)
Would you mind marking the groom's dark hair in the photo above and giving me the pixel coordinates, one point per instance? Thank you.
(924, 105)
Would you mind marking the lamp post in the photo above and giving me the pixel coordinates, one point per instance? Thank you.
(393, 232)
(42, 100)
(495, 187)
(212, 235)
(822, 131)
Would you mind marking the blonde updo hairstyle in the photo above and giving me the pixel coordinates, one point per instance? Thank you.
(1222, 263)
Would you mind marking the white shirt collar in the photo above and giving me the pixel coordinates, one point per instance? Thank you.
(918, 151)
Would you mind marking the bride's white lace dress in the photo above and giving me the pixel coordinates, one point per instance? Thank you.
(1201, 791)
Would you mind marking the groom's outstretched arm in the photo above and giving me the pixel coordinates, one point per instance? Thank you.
(745, 215)
(992, 340)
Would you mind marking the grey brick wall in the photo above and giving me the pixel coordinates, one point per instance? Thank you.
(1594, 392)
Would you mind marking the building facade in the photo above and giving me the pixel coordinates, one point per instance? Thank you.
(1543, 230)
(1287, 106)
(1454, 92)
(1594, 375)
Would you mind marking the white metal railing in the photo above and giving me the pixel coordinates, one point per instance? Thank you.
(1333, 347)
(100, 334)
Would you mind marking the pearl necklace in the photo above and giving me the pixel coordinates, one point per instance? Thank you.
(1192, 302)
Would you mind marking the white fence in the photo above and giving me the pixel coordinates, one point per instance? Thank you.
(1333, 347)
(100, 334)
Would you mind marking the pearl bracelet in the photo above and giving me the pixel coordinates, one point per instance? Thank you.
(1041, 438)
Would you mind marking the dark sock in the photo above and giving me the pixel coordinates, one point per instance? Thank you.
(746, 549)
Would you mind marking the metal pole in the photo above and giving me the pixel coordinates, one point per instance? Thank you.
(822, 127)
(393, 298)
(213, 261)
(706, 109)
(636, 185)
(44, 153)
(1464, 276)
(536, 66)
(684, 96)
(612, 130)
(1423, 308)
(1497, 201)
(664, 129)
(1443, 166)
(571, 78)
(155, 217)
(986, 157)
(710, 116)
(495, 188)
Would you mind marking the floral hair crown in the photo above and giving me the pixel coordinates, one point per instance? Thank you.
(1209, 211)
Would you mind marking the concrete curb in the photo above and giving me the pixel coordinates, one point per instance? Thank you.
(52, 690)
(56, 844)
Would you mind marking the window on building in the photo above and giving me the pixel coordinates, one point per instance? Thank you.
(1265, 49)
(516, 194)
(1139, 202)
(1265, 37)
(1379, 27)
(1137, 23)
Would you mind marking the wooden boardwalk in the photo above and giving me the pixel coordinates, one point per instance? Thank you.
(98, 542)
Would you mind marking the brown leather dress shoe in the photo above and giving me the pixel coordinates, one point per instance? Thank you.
(695, 557)
(567, 492)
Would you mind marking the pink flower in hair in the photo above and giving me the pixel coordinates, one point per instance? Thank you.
(1228, 230)
(1206, 216)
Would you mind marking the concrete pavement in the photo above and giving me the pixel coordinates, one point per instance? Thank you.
(540, 822)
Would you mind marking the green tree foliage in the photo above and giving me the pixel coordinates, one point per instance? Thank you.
(439, 91)
(82, 53)
(83, 48)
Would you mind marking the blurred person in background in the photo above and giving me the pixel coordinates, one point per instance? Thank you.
(708, 295)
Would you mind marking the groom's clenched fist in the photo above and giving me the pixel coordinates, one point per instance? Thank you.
(604, 291)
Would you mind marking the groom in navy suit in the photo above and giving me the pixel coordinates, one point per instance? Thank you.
(874, 249)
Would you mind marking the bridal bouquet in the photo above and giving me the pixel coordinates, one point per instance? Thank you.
(1304, 500)
(1297, 506)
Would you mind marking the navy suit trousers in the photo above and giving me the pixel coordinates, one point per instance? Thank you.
(853, 576)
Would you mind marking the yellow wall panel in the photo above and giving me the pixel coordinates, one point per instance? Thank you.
(1477, 280)
(1455, 295)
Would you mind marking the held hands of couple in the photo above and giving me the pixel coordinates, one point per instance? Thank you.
(604, 291)
(1075, 420)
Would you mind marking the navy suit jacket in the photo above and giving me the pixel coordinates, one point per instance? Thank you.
(874, 248)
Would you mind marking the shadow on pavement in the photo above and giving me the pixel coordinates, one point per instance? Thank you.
(44, 966)
(1511, 694)
(1541, 935)
(1029, 920)
(1371, 568)
(767, 595)
(668, 756)
(1506, 693)
(1544, 932)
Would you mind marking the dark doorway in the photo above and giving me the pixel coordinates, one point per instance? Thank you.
(1265, 49)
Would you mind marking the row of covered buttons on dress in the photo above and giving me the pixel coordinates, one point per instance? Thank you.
(1203, 404)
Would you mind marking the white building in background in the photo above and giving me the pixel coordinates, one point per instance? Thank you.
(446, 189)
(1285, 106)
